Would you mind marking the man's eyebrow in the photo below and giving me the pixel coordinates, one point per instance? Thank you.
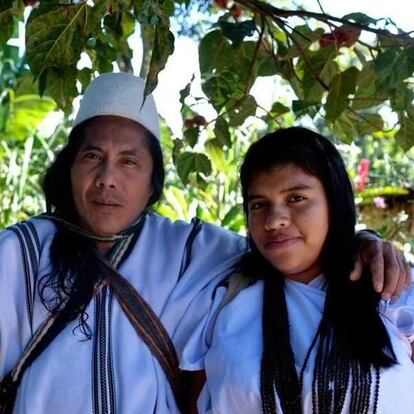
(135, 151)
(89, 147)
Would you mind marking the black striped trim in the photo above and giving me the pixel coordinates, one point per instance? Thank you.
(197, 225)
(30, 254)
(103, 379)
(111, 377)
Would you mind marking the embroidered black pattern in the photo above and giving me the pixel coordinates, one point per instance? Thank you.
(29, 252)
(102, 373)
(111, 379)
(197, 225)
(103, 378)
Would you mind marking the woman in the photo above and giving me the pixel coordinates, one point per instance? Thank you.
(301, 337)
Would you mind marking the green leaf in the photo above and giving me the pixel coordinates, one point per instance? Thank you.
(176, 198)
(320, 65)
(279, 109)
(6, 27)
(97, 13)
(216, 154)
(178, 145)
(245, 109)
(201, 182)
(236, 32)
(189, 162)
(102, 56)
(61, 86)
(85, 77)
(191, 135)
(214, 52)
(269, 65)
(360, 18)
(162, 49)
(185, 165)
(6, 4)
(233, 214)
(367, 124)
(401, 98)
(384, 66)
(56, 38)
(119, 27)
(405, 135)
(29, 112)
(222, 133)
(344, 128)
(185, 91)
(341, 87)
(169, 7)
(223, 89)
(366, 95)
(304, 35)
(202, 164)
(301, 107)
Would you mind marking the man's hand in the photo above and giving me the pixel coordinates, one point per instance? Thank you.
(391, 273)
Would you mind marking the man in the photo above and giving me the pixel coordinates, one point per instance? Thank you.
(94, 354)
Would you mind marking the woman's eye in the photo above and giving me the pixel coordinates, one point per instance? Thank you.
(296, 198)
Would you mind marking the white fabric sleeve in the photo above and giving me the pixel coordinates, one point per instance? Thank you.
(401, 313)
(192, 358)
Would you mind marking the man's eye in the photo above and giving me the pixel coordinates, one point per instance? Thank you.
(256, 206)
(91, 155)
(130, 162)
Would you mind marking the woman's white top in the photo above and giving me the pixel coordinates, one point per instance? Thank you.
(229, 348)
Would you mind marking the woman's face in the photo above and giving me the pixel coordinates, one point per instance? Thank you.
(288, 220)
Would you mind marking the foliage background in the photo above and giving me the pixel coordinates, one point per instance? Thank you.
(350, 77)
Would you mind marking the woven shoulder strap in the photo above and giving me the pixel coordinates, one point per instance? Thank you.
(147, 325)
(236, 283)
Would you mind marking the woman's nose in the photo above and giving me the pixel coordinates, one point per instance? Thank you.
(277, 218)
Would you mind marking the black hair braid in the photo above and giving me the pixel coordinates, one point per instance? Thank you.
(75, 266)
(278, 372)
(352, 343)
(75, 274)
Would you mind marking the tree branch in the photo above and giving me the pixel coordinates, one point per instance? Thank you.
(276, 13)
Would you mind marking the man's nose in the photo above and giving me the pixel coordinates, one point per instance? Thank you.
(105, 176)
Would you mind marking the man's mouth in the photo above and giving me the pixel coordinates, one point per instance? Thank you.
(105, 204)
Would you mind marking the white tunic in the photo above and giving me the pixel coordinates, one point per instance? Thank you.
(170, 264)
(230, 349)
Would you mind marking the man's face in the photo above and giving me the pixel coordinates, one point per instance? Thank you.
(111, 175)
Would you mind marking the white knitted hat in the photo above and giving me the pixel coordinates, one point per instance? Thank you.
(119, 94)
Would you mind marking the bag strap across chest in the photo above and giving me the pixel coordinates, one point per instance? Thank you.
(145, 322)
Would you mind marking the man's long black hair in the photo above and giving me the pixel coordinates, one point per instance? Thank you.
(75, 269)
(352, 343)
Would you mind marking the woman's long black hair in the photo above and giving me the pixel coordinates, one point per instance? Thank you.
(352, 343)
(75, 268)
